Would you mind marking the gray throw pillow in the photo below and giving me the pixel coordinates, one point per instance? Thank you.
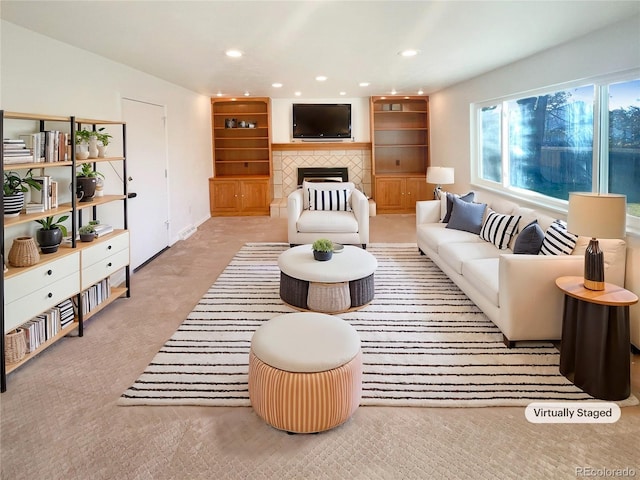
(466, 216)
(529, 240)
(468, 197)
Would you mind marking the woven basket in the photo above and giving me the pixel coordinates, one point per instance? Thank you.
(24, 252)
(15, 345)
(329, 297)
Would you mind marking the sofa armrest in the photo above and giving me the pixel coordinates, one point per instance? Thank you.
(294, 210)
(529, 299)
(360, 207)
(427, 211)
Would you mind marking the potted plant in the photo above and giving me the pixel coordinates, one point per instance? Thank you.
(87, 233)
(322, 249)
(82, 141)
(86, 182)
(13, 191)
(50, 235)
(103, 141)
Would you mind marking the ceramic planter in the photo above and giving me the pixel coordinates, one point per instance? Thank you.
(13, 204)
(49, 240)
(322, 256)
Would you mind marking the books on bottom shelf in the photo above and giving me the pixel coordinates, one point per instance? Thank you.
(48, 324)
(95, 295)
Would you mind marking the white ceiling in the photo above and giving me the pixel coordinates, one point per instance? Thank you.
(292, 42)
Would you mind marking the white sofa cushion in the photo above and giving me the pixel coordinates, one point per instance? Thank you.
(436, 234)
(318, 221)
(483, 273)
(456, 254)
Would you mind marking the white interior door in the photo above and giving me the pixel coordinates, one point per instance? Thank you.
(147, 178)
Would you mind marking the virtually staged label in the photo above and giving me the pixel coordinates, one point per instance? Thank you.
(572, 412)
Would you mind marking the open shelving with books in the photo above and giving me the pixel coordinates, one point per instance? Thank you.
(241, 143)
(37, 297)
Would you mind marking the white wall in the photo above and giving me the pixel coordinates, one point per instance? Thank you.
(606, 51)
(282, 117)
(41, 75)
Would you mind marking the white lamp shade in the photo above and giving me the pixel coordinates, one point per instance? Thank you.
(440, 175)
(597, 215)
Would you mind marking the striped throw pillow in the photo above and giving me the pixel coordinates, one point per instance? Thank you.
(335, 200)
(499, 228)
(557, 240)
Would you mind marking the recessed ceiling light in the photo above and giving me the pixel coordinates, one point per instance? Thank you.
(364, 84)
(408, 53)
(276, 85)
(219, 94)
(393, 92)
(420, 92)
(246, 94)
(297, 94)
(321, 78)
(233, 53)
(343, 93)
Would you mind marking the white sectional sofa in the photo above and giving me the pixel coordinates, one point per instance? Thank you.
(516, 291)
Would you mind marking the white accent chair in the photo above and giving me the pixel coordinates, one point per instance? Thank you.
(346, 227)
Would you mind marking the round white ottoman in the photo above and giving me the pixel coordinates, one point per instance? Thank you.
(305, 372)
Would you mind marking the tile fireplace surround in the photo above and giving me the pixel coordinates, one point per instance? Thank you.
(287, 160)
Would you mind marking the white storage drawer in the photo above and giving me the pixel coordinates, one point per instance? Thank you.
(21, 285)
(36, 302)
(104, 249)
(104, 268)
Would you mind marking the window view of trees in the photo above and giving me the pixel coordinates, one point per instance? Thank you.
(551, 139)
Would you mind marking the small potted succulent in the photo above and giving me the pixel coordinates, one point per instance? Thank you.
(87, 233)
(13, 191)
(322, 249)
(50, 235)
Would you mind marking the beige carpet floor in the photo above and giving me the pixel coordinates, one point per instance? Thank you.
(59, 418)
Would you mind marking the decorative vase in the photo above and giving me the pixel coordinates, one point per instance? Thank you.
(49, 240)
(24, 252)
(102, 151)
(82, 151)
(93, 147)
(322, 256)
(86, 188)
(13, 204)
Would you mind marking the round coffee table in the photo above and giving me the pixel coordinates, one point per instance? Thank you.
(343, 283)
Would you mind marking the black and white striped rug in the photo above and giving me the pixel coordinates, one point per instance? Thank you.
(424, 342)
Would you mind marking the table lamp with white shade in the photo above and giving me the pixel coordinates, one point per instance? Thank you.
(439, 176)
(597, 216)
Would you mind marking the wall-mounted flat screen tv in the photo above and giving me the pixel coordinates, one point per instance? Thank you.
(321, 120)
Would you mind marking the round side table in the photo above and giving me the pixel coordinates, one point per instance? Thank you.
(594, 351)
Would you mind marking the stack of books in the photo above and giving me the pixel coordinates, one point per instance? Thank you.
(48, 324)
(102, 229)
(44, 199)
(16, 151)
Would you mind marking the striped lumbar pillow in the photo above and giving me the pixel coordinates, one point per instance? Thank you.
(499, 228)
(557, 240)
(336, 200)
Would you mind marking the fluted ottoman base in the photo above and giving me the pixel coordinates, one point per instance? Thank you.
(305, 372)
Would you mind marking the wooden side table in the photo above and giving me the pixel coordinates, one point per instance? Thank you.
(594, 352)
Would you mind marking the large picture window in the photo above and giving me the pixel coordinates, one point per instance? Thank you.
(545, 145)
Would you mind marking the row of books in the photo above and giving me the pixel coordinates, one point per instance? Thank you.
(95, 295)
(44, 199)
(48, 324)
(40, 147)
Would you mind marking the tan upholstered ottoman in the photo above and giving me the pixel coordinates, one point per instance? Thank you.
(305, 372)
